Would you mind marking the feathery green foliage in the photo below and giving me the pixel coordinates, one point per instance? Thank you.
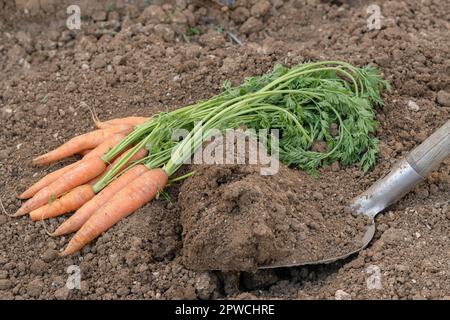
(302, 102)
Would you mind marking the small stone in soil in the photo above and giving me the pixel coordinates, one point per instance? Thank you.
(3, 218)
(413, 106)
(38, 267)
(5, 284)
(49, 255)
(260, 8)
(342, 295)
(62, 293)
(35, 287)
(205, 285)
(251, 25)
(443, 98)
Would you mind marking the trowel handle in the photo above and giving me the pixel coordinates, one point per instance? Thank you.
(429, 154)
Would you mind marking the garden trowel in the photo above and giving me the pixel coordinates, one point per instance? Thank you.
(403, 177)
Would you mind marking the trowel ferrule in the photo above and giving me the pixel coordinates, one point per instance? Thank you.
(399, 181)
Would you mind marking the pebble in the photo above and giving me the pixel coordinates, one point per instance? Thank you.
(62, 293)
(213, 39)
(205, 285)
(100, 291)
(114, 260)
(251, 25)
(178, 17)
(119, 60)
(357, 263)
(318, 195)
(99, 62)
(230, 65)
(53, 35)
(319, 146)
(7, 110)
(132, 258)
(393, 236)
(38, 267)
(10, 266)
(277, 3)
(49, 255)
(164, 32)
(5, 284)
(3, 218)
(246, 296)
(401, 268)
(190, 17)
(99, 16)
(260, 8)
(413, 106)
(21, 266)
(35, 288)
(443, 98)
(71, 86)
(335, 166)
(153, 14)
(16, 53)
(181, 4)
(240, 14)
(342, 295)
(123, 291)
(136, 242)
(84, 286)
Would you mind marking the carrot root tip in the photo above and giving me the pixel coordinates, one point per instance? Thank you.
(19, 213)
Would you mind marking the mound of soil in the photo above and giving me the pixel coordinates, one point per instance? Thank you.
(234, 218)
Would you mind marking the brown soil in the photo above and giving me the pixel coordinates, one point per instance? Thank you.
(234, 218)
(131, 59)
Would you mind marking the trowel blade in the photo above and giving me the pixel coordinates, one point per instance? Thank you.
(368, 235)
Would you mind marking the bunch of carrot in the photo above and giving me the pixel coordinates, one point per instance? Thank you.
(126, 162)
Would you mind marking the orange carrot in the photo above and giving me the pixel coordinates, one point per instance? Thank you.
(85, 141)
(122, 204)
(96, 152)
(89, 208)
(82, 173)
(141, 153)
(137, 156)
(84, 152)
(68, 202)
(105, 146)
(45, 181)
(131, 121)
